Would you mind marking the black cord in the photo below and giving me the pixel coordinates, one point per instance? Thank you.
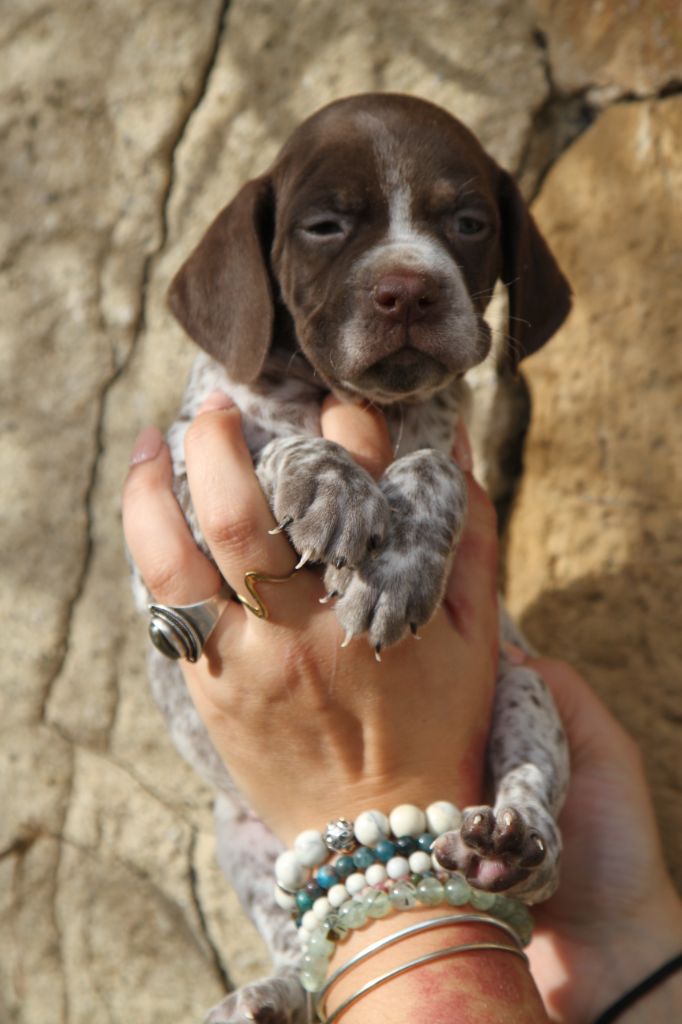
(640, 990)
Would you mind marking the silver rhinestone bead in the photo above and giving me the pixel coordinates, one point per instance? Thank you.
(338, 835)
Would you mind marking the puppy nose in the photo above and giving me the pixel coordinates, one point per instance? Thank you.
(405, 297)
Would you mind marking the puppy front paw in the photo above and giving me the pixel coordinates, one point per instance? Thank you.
(331, 508)
(502, 851)
(388, 593)
(277, 1000)
(402, 584)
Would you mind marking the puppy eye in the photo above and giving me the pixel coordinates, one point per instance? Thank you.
(325, 227)
(470, 227)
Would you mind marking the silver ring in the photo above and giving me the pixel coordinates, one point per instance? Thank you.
(181, 631)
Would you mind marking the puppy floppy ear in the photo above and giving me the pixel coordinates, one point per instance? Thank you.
(222, 294)
(539, 294)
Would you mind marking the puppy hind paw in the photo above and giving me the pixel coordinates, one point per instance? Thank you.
(277, 1000)
(496, 851)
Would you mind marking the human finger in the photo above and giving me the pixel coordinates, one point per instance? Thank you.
(159, 540)
(233, 513)
(362, 431)
(471, 591)
(461, 449)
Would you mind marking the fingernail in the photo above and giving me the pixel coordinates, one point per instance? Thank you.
(462, 449)
(515, 654)
(218, 400)
(147, 446)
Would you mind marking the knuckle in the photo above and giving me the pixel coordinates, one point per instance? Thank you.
(167, 572)
(227, 529)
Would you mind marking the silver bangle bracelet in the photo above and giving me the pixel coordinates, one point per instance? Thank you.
(426, 958)
(414, 929)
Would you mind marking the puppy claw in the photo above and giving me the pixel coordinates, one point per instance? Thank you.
(282, 526)
(328, 597)
(377, 652)
(347, 638)
(305, 557)
(535, 852)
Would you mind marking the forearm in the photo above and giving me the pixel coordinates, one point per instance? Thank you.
(481, 985)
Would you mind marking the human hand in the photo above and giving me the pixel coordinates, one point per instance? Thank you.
(308, 730)
(616, 916)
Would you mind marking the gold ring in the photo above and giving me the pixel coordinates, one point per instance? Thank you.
(259, 608)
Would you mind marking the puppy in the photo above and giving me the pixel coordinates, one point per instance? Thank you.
(361, 264)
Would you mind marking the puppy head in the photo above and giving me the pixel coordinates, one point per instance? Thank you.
(374, 244)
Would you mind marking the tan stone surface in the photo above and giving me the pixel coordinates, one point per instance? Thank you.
(125, 127)
(119, 146)
(633, 47)
(97, 906)
(595, 554)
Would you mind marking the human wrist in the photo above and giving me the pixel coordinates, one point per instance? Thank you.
(494, 983)
(361, 882)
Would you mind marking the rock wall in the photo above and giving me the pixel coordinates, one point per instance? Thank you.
(595, 548)
(125, 127)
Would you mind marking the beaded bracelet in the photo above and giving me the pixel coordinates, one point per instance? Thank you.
(361, 845)
(382, 864)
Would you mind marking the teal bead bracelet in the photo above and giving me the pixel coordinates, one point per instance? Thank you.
(374, 848)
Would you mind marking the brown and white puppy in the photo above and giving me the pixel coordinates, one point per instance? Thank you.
(362, 263)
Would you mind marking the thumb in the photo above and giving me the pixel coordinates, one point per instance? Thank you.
(471, 592)
(361, 430)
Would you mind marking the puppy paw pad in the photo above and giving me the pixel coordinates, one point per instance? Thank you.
(495, 851)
